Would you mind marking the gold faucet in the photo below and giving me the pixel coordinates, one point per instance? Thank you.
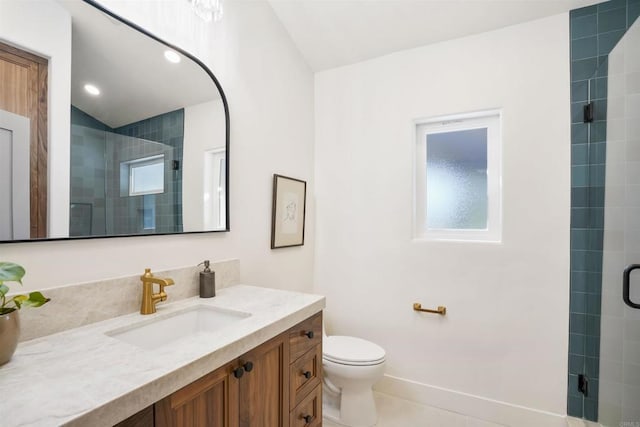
(149, 299)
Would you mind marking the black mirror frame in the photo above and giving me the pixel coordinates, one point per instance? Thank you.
(136, 27)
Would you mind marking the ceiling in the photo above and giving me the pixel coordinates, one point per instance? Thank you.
(135, 80)
(333, 33)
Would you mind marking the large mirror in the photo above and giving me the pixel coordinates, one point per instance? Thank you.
(148, 138)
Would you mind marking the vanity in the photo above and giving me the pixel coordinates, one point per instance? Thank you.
(263, 368)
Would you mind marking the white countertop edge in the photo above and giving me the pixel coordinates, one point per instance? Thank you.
(140, 377)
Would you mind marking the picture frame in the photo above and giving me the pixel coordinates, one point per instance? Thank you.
(288, 212)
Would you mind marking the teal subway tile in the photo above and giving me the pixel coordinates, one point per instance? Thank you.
(579, 178)
(579, 154)
(579, 281)
(592, 367)
(607, 41)
(578, 323)
(578, 305)
(576, 343)
(576, 364)
(580, 217)
(584, 26)
(579, 240)
(596, 198)
(598, 133)
(579, 261)
(592, 346)
(573, 386)
(612, 4)
(614, 19)
(591, 408)
(594, 239)
(594, 261)
(596, 217)
(633, 11)
(594, 282)
(580, 197)
(583, 11)
(592, 324)
(577, 112)
(584, 48)
(594, 389)
(579, 133)
(583, 69)
(580, 91)
(597, 176)
(600, 88)
(602, 66)
(574, 406)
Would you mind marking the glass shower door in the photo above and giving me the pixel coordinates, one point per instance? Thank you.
(619, 369)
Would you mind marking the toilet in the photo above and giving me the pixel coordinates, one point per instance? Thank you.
(351, 367)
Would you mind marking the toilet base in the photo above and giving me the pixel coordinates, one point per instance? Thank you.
(351, 408)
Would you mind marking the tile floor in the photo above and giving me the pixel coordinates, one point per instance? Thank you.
(396, 412)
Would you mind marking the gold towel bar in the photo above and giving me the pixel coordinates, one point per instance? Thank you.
(441, 310)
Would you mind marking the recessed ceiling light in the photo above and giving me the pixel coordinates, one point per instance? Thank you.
(92, 89)
(172, 56)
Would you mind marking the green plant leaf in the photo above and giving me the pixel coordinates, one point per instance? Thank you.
(4, 289)
(11, 272)
(36, 299)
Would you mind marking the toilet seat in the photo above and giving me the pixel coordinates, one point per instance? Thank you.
(352, 351)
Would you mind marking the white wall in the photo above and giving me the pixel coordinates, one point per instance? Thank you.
(200, 122)
(270, 93)
(44, 28)
(505, 335)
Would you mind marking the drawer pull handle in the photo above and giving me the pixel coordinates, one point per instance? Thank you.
(307, 419)
(307, 374)
(238, 372)
(248, 366)
(309, 334)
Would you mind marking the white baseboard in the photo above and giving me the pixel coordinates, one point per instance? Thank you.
(467, 404)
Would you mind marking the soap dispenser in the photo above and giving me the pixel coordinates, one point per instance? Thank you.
(207, 281)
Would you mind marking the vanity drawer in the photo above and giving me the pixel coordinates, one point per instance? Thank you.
(305, 374)
(309, 409)
(304, 336)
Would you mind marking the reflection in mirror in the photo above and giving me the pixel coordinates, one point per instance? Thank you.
(149, 135)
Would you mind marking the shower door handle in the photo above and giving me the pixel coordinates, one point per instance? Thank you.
(625, 285)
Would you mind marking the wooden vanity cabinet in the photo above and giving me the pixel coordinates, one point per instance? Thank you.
(277, 384)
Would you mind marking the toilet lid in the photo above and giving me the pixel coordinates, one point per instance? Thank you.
(352, 351)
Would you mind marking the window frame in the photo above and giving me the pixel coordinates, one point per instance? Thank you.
(492, 121)
(146, 161)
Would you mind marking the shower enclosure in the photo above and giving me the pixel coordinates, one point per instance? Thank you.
(604, 353)
(122, 185)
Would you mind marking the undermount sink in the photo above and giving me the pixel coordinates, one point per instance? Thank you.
(166, 329)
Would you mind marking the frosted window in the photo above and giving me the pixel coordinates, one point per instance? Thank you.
(458, 177)
(457, 180)
(147, 176)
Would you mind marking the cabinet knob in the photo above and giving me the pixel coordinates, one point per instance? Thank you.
(309, 334)
(238, 372)
(307, 374)
(307, 418)
(248, 366)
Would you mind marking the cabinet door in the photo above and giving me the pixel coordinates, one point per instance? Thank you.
(264, 387)
(211, 401)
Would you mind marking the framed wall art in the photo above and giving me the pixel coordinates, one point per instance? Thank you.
(288, 212)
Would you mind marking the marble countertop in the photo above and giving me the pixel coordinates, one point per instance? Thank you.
(85, 377)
